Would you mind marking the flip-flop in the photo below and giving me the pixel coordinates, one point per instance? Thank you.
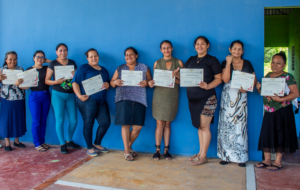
(261, 163)
(45, 146)
(277, 168)
(133, 153)
(128, 157)
(40, 149)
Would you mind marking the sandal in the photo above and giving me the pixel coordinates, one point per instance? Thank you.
(167, 154)
(45, 146)
(198, 161)
(133, 153)
(193, 157)
(263, 165)
(156, 156)
(40, 148)
(277, 168)
(128, 157)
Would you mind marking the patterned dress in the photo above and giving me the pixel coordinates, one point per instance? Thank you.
(232, 129)
(278, 130)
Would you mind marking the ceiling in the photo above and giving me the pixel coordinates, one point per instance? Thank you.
(285, 11)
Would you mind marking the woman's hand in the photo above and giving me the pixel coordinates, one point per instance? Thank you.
(73, 73)
(258, 86)
(105, 85)
(60, 81)
(83, 97)
(203, 85)
(47, 60)
(176, 73)
(19, 81)
(229, 59)
(143, 83)
(151, 83)
(3, 77)
(276, 98)
(242, 90)
(119, 82)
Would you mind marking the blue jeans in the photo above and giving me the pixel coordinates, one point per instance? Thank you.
(61, 102)
(91, 110)
(39, 104)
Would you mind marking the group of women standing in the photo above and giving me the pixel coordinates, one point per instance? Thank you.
(131, 103)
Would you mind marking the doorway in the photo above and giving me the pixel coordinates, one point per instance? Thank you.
(282, 33)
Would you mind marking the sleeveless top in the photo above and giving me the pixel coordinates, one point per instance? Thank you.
(165, 100)
(132, 93)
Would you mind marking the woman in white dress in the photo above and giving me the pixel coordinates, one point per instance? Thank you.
(232, 129)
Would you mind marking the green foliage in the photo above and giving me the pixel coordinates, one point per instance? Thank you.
(269, 52)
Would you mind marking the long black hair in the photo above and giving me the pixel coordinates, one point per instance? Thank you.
(39, 51)
(91, 49)
(237, 42)
(133, 49)
(203, 38)
(281, 54)
(165, 41)
(9, 53)
(61, 44)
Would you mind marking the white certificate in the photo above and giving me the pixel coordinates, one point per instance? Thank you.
(64, 72)
(11, 75)
(269, 86)
(93, 85)
(191, 77)
(132, 78)
(30, 78)
(163, 78)
(242, 79)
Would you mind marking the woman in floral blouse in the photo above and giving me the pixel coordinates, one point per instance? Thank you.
(12, 118)
(278, 131)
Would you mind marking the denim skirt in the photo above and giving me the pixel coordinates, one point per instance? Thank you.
(130, 113)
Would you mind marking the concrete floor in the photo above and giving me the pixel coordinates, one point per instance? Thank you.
(112, 170)
(28, 169)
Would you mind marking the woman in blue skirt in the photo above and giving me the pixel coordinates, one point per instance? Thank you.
(12, 118)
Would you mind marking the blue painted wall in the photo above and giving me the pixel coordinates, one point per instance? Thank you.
(112, 25)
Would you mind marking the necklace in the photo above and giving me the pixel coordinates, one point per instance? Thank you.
(234, 68)
(199, 59)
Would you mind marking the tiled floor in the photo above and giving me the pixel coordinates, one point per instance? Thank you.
(287, 178)
(26, 168)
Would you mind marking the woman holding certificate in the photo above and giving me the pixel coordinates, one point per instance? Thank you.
(278, 131)
(202, 96)
(12, 118)
(92, 105)
(130, 81)
(165, 99)
(39, 102)
(232, 132)
(63, 97)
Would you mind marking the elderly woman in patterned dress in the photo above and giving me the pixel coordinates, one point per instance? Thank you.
(232, 130)
(12, 118)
